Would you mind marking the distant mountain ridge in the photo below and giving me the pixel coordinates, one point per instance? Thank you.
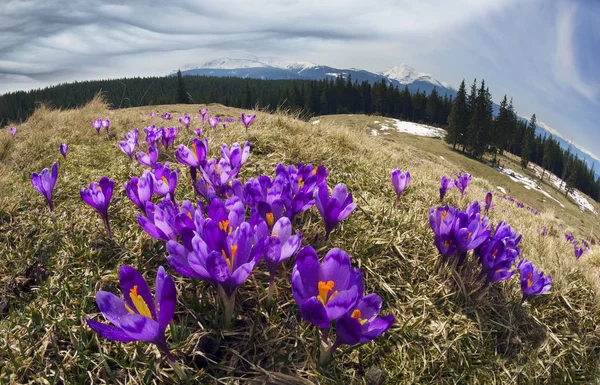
(272, 68)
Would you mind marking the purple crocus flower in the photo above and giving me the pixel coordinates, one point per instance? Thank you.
(214, 121)
(128, 148)
(334, 209)
(221, 252)
(578, 251)
(462, 182)
(97, 124)
(106, 125)
(160, 220)
(400, 180)
(139, 317)
(235, 156)
(585, 243)
(64, 148)
(45, 182)
(166, 116)
(185, 120)
(495, 261)
(488, 202)
(470, 232)
(361, 324)
(196, 157)
(325, 291)
(203, 112)
(98, 196)
(277, 246)
(247, 120)
(168, 136)
(441, 221)
(302, 184)
(165, 180)
(445, 185)
(198, 131)
(132, 136)
(543, 231)
(139, 190)
(153, 135)
(12, 131)
(148, 160)
(533, 281)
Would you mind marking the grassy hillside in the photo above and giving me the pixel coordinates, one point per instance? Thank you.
(447, 331)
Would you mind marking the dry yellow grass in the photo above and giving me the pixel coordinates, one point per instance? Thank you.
(447, 331)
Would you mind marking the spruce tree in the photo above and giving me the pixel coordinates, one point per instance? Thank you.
(182, 94)
(459, 116)
(432, 105)
(529, 142)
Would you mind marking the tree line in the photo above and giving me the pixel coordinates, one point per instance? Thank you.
(469, 118)
(473, 128)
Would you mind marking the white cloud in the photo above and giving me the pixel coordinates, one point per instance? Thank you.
(565, 65)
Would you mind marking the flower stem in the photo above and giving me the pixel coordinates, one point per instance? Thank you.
(271, 290)
(228, 307)
(107, 226)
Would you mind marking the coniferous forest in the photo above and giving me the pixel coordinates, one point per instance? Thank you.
(469, 118)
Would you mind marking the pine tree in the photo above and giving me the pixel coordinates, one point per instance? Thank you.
(459, 116)
(529, 142)
(182, 94)
(471, 99)
(432, 105)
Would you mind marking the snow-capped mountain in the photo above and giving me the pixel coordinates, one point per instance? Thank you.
(408, 75)
(274, 68)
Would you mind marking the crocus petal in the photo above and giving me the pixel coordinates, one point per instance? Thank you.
(129, 278)
(377, 327)
(109, 332)
(166, 298)
(141, 328)
(112, 307)
(313, 312)
(336, 268)
(305, 276)
(341, 303)
(348, 330)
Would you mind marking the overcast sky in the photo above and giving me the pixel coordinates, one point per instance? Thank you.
(543, 53)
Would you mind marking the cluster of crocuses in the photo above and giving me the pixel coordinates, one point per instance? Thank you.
(459, 233)
(213, 121)
(578, 250)
(518, 203)
(101, 123)
(224, 236)
(461, 183)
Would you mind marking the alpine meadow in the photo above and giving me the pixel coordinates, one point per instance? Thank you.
(262, 220)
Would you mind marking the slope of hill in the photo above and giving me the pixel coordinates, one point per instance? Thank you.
(448, 329)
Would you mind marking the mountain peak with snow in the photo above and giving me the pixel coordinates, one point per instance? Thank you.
(230, 63)
(405, 74)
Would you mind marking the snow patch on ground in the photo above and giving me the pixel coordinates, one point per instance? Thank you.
(502, 189)
(374, 132)
(528, 183)
(411, 128)
(576, 195)
(418, 129)
(316, 122)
